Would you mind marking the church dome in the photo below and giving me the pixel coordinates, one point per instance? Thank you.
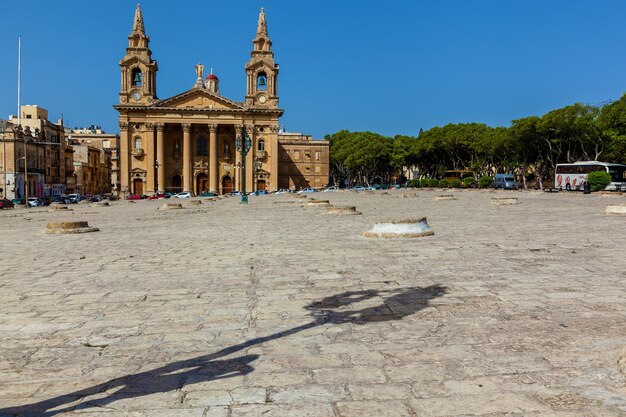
(211, 76)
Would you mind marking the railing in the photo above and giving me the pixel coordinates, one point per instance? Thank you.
(137, 152)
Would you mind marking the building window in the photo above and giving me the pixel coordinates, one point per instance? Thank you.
(261, 145)
(137, 143)
(317, 155)
(296, 154)
(261, 81)
(137, 78)
(201, 147)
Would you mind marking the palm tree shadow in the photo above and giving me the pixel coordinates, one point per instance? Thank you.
(381, 305)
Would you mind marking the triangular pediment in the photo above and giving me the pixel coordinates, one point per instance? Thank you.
(263, 63)
(131, 59)
(199, 98)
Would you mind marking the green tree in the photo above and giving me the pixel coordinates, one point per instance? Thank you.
(612, 123)
(598, 180)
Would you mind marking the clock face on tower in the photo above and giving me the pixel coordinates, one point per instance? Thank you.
(262, 99)
(137, 95)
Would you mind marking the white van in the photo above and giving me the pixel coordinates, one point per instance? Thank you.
(505, 181)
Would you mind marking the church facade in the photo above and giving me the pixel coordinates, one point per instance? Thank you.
(188, 142)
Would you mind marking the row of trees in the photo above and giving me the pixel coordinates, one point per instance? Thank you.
(530, 148)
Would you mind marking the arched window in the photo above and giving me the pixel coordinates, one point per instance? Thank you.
(261, 145)
(201, 146)
(137, 78)
(261, 81)
(137, 143)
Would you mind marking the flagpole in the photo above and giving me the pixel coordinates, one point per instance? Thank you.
(19, 115)
(19, 79)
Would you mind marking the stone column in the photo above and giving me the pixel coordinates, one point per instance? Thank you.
(150, 159)
(238, 162)
(187, 158)
(213, 164)
(160, 127)
(124, 160)
(273, 158)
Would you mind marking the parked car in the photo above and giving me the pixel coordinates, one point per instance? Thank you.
(133, 197)
(18, 201)
(358, 188)
(375, 187)
(6, 204)
(306, 191)
(283, 191)
(74, 198)
(208, 194)
(35, 202)
(58, 199)
(186, 194)
(505, 181)
(156, 196)
(330, 189)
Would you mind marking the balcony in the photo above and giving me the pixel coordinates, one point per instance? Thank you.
(261, 154)
(137, 152)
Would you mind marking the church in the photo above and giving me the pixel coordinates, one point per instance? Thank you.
(195, 141)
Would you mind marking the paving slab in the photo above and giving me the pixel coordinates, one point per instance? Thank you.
(273, 309)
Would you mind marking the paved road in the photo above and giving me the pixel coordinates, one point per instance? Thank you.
(274, 309)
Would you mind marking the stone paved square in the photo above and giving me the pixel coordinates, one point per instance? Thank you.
(279, 309)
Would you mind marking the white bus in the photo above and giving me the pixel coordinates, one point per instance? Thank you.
(573, 176)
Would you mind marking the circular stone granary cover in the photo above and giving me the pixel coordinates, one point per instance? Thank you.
(408, 228)
(69, 228)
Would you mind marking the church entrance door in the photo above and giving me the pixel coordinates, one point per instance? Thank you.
(202, 182)
(138, 186)
(177, 184)
(227, 185)
(261, 185)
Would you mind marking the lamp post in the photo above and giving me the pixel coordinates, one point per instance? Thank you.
(25, 173)
(156, 177)
(243, 144)
(257, 168)
(3, 127)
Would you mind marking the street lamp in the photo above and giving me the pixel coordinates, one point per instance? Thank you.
(257, 168)
(156, 177)
(243, 144)
(3, 127)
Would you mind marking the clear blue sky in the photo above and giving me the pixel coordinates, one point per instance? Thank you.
(390, 67)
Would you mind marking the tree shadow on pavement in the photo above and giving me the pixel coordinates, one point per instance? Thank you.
(338, 309)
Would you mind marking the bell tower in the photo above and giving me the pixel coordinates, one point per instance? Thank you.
(261, 71)
(138, 68)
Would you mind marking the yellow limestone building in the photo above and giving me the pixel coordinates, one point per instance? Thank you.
(187, 142)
